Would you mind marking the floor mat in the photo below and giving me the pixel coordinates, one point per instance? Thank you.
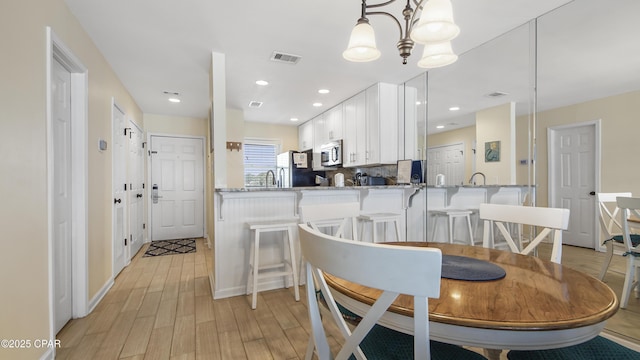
(171, 247)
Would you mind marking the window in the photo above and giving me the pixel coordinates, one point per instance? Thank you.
(259, 158)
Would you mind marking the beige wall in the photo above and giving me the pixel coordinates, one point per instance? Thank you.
(24, 304)
(496, 124)
(620, 127)
(238, 130)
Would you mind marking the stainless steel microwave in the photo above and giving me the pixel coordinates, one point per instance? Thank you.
(331, 153)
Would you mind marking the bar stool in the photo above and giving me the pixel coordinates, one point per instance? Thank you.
(288, 227)
(383, 218)
(451, 215)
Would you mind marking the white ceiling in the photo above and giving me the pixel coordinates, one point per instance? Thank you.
(160, 45)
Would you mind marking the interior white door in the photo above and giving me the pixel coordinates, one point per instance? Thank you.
(61, 106)
(120, 235)
(136, 188)
(447, 160)
(177, 187)
(572, 164)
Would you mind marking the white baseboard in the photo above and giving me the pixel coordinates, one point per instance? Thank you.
(96, 299)
(242, 290)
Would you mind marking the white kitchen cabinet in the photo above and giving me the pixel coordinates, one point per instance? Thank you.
(354, 140)
(371, 127)
(305, 136)
(415, 119)
(319, 138)
(333, 123)
(382, 124)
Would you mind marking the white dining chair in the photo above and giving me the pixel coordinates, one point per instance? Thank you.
(551, 221)
(509, 196)
(337, 219)
(610, 225)
(629, 206)
(394, 270)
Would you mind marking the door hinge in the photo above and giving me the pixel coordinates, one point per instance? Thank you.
(143, 185)
(125, 241)
(125, 187)
(144, 226)
(143, 144)
(125, 131)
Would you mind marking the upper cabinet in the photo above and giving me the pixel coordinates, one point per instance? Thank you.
(415, 118)
(367, 124)
(333, 123)
(354, 142)
(371, 127)
(305, 136)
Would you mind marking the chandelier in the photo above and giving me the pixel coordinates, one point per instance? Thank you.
(434, 27)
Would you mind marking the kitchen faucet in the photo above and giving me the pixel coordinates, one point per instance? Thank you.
(266, 178)
(484, 178)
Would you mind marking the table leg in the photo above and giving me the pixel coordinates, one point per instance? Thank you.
(492, 354)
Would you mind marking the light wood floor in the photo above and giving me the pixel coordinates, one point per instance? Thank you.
(161, 308)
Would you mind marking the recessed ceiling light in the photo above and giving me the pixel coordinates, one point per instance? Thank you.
(293, 119)
(418, 103)
(262, 82)
(317, 104)
(174, 100)
(440, 127)
(454, 108)
(323, 91)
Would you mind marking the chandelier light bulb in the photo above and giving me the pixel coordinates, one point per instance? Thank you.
(362, 43)
(436, 23)
(437, 54)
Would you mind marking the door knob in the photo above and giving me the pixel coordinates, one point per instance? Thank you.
(592, 193)
(116, 201)
(138, 195)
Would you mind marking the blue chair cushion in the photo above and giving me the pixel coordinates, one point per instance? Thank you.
(635, 239)
(597, 348)
(384, 343)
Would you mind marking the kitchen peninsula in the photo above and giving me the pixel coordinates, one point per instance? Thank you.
(234, 207)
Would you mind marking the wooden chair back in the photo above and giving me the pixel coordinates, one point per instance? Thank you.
(342, 217)
(393, 269)
(551, 220)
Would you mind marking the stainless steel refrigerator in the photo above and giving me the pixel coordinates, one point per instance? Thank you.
(295, 169)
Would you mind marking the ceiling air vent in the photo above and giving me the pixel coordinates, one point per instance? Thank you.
(285, 58)
(255, 104)
(496, 94)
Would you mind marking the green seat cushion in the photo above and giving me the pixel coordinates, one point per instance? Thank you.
(384, 343)
(597, 348)
(635, 239)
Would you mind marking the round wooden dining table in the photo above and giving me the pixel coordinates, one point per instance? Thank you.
(538, 304)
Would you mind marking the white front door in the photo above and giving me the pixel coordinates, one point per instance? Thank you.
(61, 106)
(447, 160)
(136, 188)
(120, 235)
(177, 187)
(572, 180)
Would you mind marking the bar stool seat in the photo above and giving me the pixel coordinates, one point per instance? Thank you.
(383, 218)
(451, 215)
(287, 266)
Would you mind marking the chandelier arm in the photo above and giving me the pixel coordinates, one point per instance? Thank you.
(413, 21)
(389, 15)
(381, 4)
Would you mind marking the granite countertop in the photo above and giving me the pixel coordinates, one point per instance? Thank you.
(305, 188)
(475, 186)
